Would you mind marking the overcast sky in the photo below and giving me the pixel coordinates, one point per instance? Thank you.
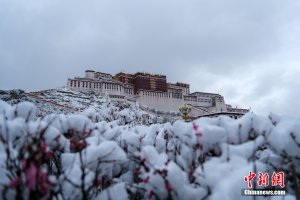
(246, 50)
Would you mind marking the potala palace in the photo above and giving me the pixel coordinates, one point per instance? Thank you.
(154, 92)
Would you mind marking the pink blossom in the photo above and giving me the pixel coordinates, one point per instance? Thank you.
(77, 145)
(24, 164)
(150, 194)
(164, 172)
(43, 147)
(49, 155)
(146, 180)
(31, 176)
(167, 162)
(36, 177)
(44, 181)
(199, 135)
(15, 182)
(195, 127)
(45, 150)
(168, 186)
(198, 146)
(137, 172)
(97, 182)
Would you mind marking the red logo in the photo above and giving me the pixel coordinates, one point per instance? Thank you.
(263, 179)
(249, 179)
(278, 179)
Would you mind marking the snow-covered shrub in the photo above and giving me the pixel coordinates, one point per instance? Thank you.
(107, 153)
(122, 114)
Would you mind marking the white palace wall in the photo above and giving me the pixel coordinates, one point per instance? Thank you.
(98, 87)
(159, 100)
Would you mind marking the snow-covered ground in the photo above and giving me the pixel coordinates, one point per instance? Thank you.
(65, 101)
(107, 153)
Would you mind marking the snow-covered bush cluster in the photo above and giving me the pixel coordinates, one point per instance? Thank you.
(84, 156)
(94, 106)
(109, 112)
(13, 96)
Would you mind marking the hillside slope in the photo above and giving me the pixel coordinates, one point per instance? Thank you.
(64, 101)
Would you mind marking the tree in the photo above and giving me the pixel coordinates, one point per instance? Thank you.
(185, 111)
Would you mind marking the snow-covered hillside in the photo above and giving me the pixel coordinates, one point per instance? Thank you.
(84, 156)
(64, 101)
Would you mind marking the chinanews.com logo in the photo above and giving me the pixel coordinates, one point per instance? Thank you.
(264, 184)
